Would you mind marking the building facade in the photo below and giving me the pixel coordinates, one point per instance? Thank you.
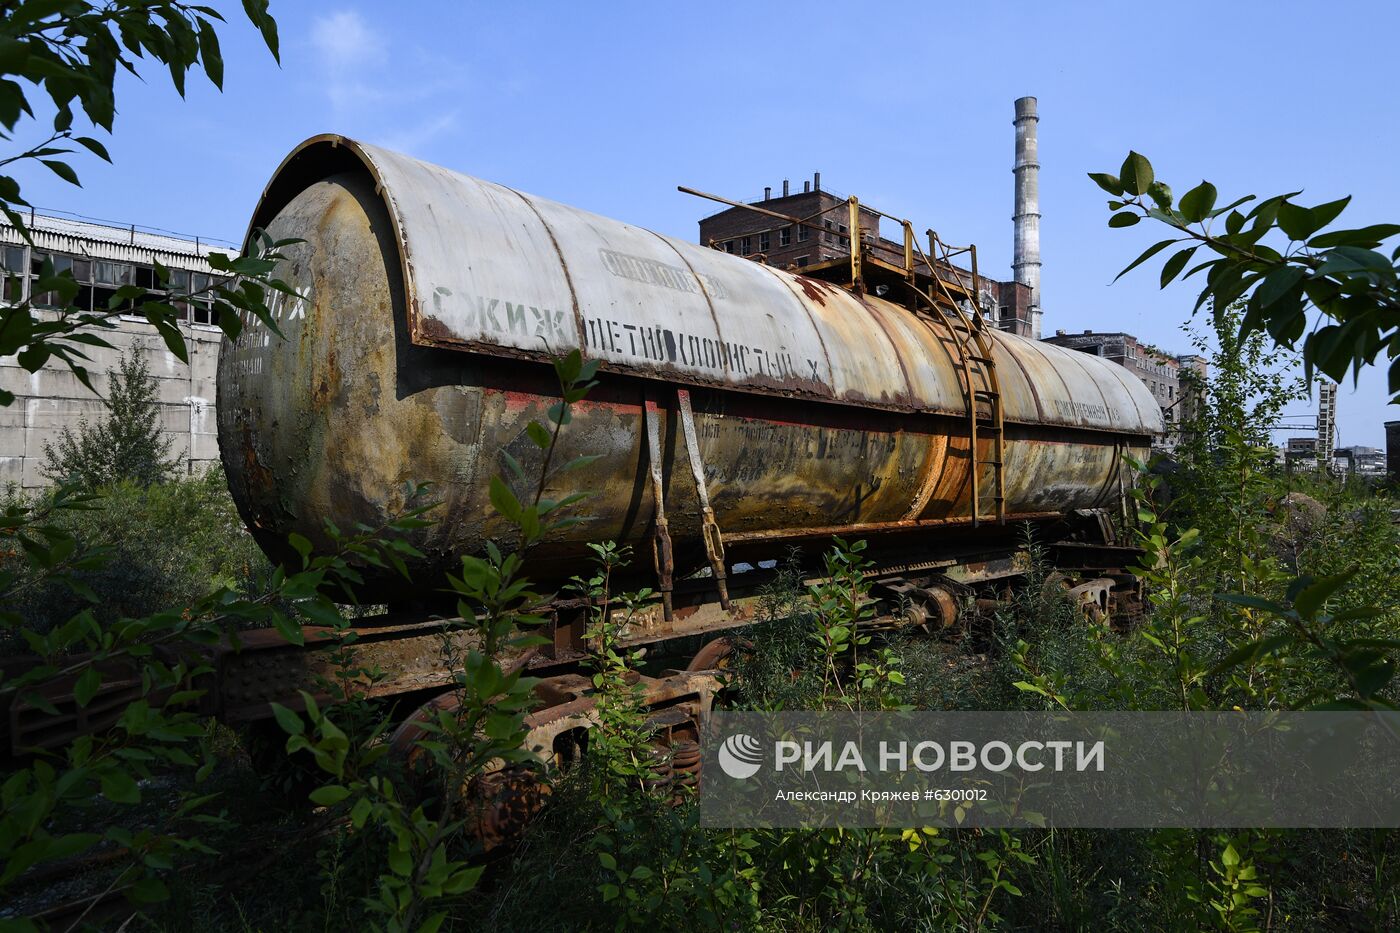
(1360, 461)
(102, 258)
(1301, 453)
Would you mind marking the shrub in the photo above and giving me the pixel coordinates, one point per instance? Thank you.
(169, 544)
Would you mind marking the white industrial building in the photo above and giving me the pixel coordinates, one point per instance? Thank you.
(102, 258)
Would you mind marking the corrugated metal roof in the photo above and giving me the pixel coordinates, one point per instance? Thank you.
(107, 241)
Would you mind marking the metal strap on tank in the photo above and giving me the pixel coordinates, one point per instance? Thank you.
(661, 533)
(714, 542)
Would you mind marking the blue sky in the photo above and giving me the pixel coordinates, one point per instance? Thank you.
(908, 106)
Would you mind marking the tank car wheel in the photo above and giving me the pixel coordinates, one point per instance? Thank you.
(502, 801)
(714, 655)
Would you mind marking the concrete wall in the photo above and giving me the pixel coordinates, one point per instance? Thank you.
(53, 398)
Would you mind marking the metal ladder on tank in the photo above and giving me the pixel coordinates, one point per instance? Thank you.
(977, 368)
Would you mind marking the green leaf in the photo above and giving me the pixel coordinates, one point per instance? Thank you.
(1161, 194)
(1312, 599)
(433, 923)
(63, 170)
(1136, 173)
(86, 687)
(148, 891)
(120, 787)
(1364, 236)
(93, 146)
(1348, 260)
(16, 329)
(288, 628)
(330, 795)
(504, 500)
(1229, 858)
(1124, 219)
(1300, 222)
(1172, 267)
(1279, 283)
(209, 53)
(513, 464)
(1109, 183)
(301, 545)
(290, 722)
(257, 13)
(1151, 251)
(1252, 602)
(1253, 651)
(538, 434)
(1373, 677)
(1196, 204)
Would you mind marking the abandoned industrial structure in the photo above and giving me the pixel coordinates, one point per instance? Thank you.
(102, 258)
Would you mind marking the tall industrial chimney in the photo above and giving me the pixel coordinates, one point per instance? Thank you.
(1025, 263)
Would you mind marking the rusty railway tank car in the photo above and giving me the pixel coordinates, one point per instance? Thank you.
(748, 406)
(739, 409)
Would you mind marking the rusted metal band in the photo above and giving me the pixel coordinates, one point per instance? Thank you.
(714, 541)
(876, 527)
(661, 533)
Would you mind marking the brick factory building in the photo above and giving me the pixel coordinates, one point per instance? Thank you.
(102, 258)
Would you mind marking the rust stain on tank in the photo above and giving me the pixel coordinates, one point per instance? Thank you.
(325, 388)
(256, 473)
(812, 289)
(435, 330)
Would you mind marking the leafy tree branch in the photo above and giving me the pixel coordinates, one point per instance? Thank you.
(1281, 259)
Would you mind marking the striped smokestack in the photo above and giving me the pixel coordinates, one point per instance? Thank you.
(1025, 263)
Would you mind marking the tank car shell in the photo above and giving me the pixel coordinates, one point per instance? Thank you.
(428, 301)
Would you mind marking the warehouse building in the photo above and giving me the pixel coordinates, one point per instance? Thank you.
(102, 258)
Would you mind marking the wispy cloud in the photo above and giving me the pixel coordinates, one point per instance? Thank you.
(344, 42)
(400, 97)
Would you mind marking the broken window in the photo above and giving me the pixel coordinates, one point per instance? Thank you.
(201, 300)
(114, 274)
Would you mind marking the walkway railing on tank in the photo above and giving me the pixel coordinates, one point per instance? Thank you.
(967, 328)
